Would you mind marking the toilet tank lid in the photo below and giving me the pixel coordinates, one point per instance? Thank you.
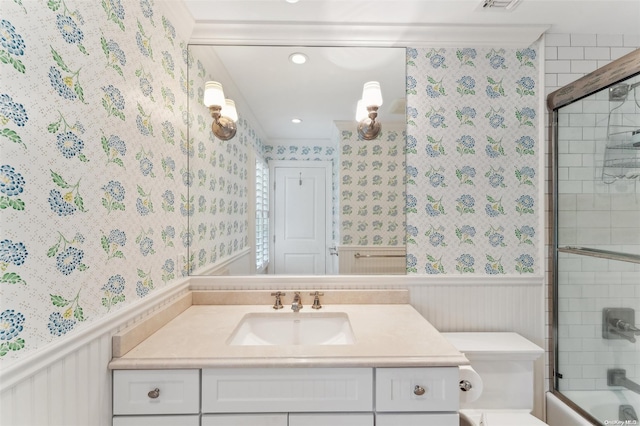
(494, 345)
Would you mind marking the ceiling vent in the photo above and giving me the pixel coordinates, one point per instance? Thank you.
(499, 4)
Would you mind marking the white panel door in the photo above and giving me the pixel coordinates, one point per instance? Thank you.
(300, 219)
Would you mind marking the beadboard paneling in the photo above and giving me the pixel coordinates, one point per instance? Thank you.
(75, 388)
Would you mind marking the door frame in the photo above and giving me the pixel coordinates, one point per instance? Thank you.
(303, 164)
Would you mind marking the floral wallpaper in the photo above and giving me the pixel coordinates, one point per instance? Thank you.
(472, 161)
(372, 188)
(111, 187)
(217, 178)
(93, 158)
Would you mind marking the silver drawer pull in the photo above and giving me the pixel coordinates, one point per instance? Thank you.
(465, 385)
(153, 394)
(419, 390)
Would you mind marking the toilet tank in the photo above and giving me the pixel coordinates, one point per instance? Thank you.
(504, 362)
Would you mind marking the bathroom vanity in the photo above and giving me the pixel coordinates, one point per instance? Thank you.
(206, 360)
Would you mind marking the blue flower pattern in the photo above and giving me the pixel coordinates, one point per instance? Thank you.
(494, 146)
(137, 35)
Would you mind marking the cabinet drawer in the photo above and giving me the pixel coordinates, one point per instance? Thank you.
(417, 389)
(435, 419)
(276, 419)
(270, 390)
(191, 420)
(338, 419)
(178, 392)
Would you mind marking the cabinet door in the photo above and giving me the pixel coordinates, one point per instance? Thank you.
(434, 419)
(271, 419)
(341, 419)
(193, 420)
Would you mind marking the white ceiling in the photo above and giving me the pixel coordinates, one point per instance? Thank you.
(326, 89)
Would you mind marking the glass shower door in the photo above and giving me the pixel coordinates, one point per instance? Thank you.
(597, 256)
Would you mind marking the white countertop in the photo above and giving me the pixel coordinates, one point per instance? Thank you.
(387, 335)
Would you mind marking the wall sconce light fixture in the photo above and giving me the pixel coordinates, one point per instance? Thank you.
(367, 111)
(222, 110)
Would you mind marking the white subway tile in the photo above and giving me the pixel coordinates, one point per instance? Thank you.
(625, 236)
(581, 278)
(557, 39)
(632, 40)
(588, 331)
(550, 53)
(594, 236)
(565, 187)
(584, 67)
(618, 52)
(564, 79)
(568, 237)
(555, 66)
(581, 120)
(581, 173)
(572, 53)
(621, 219)
(595, 291)
(593, 202)
(601, 53)
(610, 40)
(583, 40)
(581, 304)
(550, 83)
(581, 358)
(570, 318)
(570, 160)
(567, 201)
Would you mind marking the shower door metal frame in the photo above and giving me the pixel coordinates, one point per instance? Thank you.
(619, 70)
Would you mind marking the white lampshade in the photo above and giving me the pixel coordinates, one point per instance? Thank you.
(213, 94)
(371, 94)
(229, 110)
(361, 111)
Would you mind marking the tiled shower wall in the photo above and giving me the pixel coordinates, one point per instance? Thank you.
(604, 215)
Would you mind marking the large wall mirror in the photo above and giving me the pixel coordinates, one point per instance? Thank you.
(333, 188)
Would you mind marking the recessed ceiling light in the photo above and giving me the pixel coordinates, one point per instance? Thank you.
(298, 58)
(292, 1)
(296, 121)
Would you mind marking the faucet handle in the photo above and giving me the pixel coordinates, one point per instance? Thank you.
(316, 300)
(278, 302)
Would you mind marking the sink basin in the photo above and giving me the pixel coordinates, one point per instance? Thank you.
(291, 328)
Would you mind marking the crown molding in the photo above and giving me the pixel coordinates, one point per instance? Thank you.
(380, 35)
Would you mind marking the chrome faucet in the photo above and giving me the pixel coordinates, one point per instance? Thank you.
(618, 323)
(278, 302)
(316, 299)
(618, 377)
(297, 302)
(624, 329)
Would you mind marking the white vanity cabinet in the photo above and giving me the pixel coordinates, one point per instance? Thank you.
(287, 397)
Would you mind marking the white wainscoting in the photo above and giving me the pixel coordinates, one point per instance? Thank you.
(68, 383)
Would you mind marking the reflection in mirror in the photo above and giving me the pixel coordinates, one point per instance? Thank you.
(338, 202)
